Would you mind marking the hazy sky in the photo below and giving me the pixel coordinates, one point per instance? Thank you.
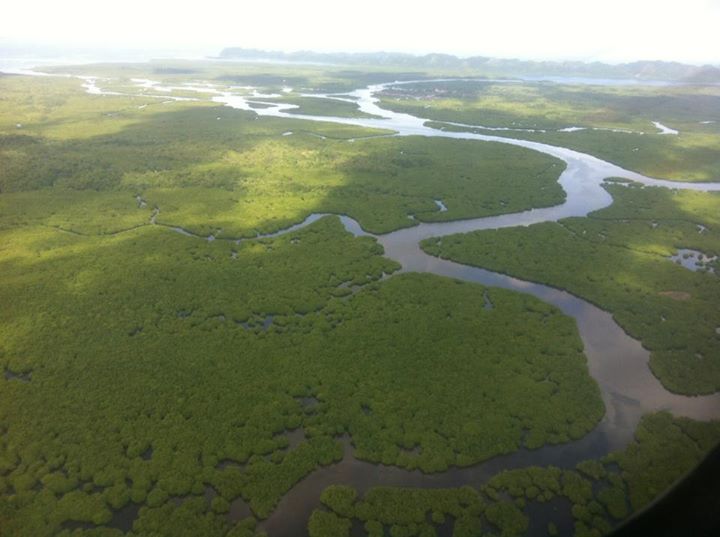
(609, 30)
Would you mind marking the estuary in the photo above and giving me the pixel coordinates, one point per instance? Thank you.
(616, 361)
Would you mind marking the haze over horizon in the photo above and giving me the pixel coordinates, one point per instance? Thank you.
(612, 31)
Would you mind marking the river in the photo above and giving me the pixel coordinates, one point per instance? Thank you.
(617, 362)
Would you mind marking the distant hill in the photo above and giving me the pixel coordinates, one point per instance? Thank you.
(642, 70)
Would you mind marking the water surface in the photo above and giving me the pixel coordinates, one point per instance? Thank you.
(615, 360)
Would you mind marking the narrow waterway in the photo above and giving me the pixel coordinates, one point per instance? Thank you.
(615, 360)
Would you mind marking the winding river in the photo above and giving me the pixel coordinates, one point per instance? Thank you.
(615, 360)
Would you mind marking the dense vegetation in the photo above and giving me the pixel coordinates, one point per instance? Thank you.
(137, 362)
(596, 495)
(159, 384)
(322, 107)
(267, 78)
(618, 258)
(694, 111)
(237, 176)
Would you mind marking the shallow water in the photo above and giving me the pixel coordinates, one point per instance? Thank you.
(694, 260)
(441, 206)
(664, 129)
(591, 81)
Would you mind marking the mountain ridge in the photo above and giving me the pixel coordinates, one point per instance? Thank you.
(640, 70)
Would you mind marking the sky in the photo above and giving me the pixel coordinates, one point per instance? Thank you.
(604, 30)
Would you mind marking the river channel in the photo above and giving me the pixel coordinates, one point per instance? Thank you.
(618, 362)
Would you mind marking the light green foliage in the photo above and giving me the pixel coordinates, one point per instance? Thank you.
(76, 505)
(154, 342)
(377, 182)
(190, 519)
(340, 498)
(407, 512)
(143, 361)
(171, 354)
(419, 512)
(692, 155)
(93, 532)
(619, 261)
(443, 427)
(532, 483)
(324, 524)
(409, 506)
(238, 175)
(67, 138)
(592, 468)
(666, 448)
(245, 528)
(576, 488)
(615, 501)
(265, 482)
(267, 77)
(374, 528)
(316, 106)
(73, 211)
(507, 517)
(550, 106)
(220, 505)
